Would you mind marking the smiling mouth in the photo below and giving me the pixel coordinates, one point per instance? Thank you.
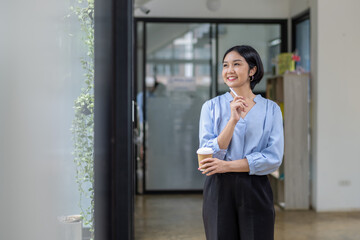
(231, 78)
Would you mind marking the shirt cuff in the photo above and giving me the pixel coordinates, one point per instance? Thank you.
(251, 162)
(218, 153)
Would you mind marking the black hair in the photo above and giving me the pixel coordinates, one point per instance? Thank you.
(252, 57)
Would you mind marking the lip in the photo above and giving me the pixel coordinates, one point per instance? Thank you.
(231, 78)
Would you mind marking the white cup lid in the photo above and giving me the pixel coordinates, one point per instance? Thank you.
(205, 150)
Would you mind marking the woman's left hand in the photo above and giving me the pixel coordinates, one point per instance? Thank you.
(213, 165)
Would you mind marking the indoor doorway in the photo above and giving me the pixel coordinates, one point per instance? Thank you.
(178, 68)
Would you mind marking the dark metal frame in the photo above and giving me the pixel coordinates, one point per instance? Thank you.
(216, 57)
(113, 146)
(284, 48)
(283, 24)
(144, 102)
(211, 20)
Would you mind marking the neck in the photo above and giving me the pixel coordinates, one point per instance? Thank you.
(246, 93)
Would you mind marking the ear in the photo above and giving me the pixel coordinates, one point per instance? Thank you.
(253, 71)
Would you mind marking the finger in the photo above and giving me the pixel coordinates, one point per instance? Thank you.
(206, 168)
(243, 108)
(209, 168)
(241, 101)
(237, 105)
(206, 171)
(240, 106)
(206, 160)
(207, 165)
(211, 171)
(238, 97)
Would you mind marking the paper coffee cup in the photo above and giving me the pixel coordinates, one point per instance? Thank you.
(204, 153)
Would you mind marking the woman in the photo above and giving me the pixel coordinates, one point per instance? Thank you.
(246, 134)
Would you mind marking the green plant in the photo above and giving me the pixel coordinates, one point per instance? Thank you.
(83, 123)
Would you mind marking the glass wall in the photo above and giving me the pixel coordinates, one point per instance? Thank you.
(42, 62)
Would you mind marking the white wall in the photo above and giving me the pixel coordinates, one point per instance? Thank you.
(228, 9)
(298, 6)
(336, 105)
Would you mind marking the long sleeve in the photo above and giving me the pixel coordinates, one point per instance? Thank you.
(270, 158)
(207, 136)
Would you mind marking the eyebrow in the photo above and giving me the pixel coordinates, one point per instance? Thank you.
(236, 60)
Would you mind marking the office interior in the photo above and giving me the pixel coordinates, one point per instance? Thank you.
(173, 42)
(258, 24)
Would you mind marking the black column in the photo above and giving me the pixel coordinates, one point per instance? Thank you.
(114, 170)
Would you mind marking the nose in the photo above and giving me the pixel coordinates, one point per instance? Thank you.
(230, 68)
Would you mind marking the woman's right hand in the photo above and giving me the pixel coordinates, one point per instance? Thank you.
(237, 106)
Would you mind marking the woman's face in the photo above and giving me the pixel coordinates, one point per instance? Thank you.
(236, 70)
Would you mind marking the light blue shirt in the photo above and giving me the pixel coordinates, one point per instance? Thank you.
(259, 137)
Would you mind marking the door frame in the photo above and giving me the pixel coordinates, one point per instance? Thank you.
(113, 123)
(284, 48)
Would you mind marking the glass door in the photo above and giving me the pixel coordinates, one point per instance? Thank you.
(177, 83)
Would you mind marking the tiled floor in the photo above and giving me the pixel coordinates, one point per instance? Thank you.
(170, 217)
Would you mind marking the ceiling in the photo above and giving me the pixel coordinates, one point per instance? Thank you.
(140, 2)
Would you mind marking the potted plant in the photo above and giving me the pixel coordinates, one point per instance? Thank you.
(83, 123)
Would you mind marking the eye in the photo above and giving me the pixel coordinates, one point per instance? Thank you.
(236, 64)
(225, 65)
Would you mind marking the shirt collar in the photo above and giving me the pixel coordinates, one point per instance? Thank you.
(229, 97)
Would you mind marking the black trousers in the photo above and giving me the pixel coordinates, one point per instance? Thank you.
(238, 206)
